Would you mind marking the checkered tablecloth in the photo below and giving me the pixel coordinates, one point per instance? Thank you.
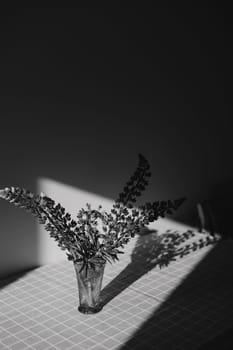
(181, 306)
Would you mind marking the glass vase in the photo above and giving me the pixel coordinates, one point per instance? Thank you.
(89, 278)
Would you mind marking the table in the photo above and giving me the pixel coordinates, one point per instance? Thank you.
(181, 306)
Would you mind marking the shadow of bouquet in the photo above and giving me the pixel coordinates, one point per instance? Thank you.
(154, 249)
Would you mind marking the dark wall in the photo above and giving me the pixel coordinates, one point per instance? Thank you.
(83, 90)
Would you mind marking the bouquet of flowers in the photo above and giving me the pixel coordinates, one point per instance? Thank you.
(95, 234)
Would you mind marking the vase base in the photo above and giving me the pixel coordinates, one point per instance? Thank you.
(89, 310)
